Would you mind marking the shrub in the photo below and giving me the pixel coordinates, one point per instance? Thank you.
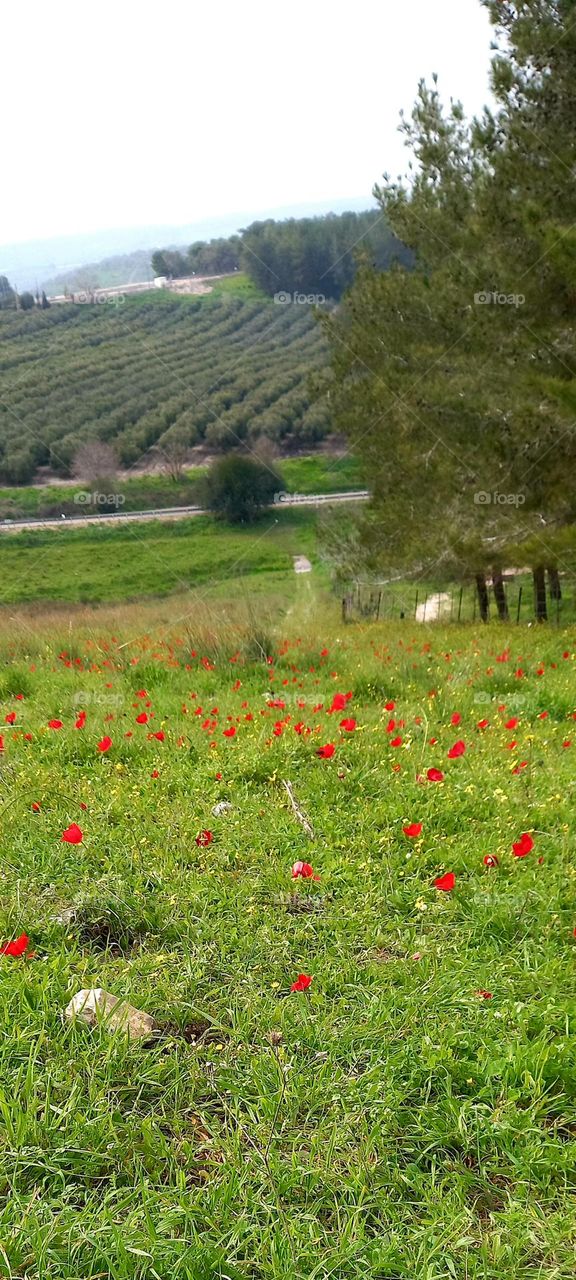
(238, 487)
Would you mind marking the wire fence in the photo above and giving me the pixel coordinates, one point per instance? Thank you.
(399, 601)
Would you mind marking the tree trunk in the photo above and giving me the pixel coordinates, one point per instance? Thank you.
(554, 583)
(540, 610)
(482, 591)
(500, 595)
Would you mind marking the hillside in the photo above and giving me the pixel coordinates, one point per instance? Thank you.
(217, 370)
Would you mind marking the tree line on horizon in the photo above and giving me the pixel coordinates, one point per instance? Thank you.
(316, 255)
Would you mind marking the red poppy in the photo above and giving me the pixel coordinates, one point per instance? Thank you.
(490, 860)
(105, 744)
(511, 724)
(229, 733)
(305, 870)
(413, 830)
(16, 948)
(446, 882)
(204, 838)
(302, 982)
(81, 721)
(326, 751)
(456, 718)
(348, 725)
(484, 995)
(523, 846)
(142, 718)
(154, 774)
(338, 703)
(10, 718)
(435, 775)
(482, 724)
(389, 706)
(73, 834)
(35, 807)
(54, 724)
(457, 750)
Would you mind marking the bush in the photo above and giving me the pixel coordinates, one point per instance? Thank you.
(237, 487)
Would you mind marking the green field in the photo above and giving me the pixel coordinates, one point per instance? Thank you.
(111, 563)
(411, 1114)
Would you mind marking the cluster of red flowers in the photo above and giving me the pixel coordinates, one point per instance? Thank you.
(394, 730)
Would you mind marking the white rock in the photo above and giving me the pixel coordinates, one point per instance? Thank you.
(221, 807)
(96, 1006)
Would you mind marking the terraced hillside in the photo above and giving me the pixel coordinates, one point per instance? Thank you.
(151, 369)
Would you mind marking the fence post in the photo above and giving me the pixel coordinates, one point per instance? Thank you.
(378, 606)
(460, 603)
(518, 606)
(416, 604)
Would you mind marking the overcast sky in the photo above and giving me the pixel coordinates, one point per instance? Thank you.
(120, 114)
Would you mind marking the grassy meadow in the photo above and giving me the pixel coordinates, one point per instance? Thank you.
(411, 1110)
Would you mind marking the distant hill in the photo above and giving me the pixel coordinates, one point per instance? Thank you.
(36, 262)
(122, 268)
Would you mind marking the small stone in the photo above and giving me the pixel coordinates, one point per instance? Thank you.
(96, 1007)
(221, 807)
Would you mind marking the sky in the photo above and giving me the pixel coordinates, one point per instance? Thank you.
(120, 114)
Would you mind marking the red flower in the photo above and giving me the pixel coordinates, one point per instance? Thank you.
(490, 860)
(413, 830)
(229, 733)
(435, 775)
(348, 725)
(302, 982)
(142, 718)
(326, 751)
(396, 742)
(204, 838)
(105, 744)
(511, 724)
(17, 948)
(73, 834)
(389, 706)
(482, 724)
(154, 774)
(338, 703)
(81, 721)
(457, 750)
(54, 724)
(160, 735)
(523, 846)
(484, 995)
(445, 883)
(456, 718)
(35, 807)
(305, 870)
(10, 718)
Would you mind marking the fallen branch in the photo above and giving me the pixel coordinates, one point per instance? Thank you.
(302, 819)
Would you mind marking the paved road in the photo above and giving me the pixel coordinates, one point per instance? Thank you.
(174, 513)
